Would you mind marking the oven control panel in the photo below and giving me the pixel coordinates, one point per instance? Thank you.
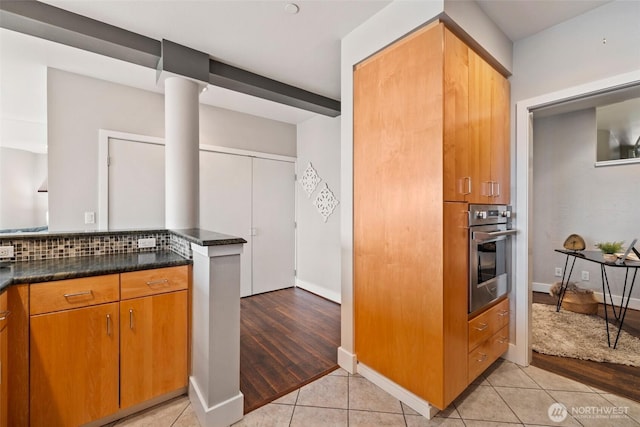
(489, 214)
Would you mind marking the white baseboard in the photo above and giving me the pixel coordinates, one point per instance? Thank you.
(419, 405)
(634, 303)
(221, 415)
(347, 360)
(319, 290)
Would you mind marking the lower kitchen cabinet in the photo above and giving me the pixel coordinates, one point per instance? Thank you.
(488, 338)
(4, 356)
(74, 365)
(153, 341)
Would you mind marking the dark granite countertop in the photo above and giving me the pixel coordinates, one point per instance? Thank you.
(207, 238)
(71, 268)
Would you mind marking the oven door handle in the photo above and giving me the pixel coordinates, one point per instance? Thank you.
(484, 235)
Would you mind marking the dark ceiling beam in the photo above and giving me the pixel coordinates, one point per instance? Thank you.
(61, 26)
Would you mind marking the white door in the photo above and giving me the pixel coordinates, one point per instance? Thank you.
(273, 225)
(136, 184)
(225, 203)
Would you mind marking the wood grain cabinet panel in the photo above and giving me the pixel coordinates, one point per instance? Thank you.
(153, 346)
(74, 365)
(488, 338)
(150, 282)
(73, 293)
(4, 358)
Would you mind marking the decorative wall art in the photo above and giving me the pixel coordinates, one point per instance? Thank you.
(310, 180)
(325, 202)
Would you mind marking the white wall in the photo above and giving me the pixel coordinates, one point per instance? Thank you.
(570, 195)
(21, 174)
(78, 106)
(318, 242)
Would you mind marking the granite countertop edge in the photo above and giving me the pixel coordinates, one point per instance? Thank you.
(77, 267)
(207, 238)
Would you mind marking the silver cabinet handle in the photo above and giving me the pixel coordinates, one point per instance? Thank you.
(164, 282)
(4, 315)
(497, 185)
(109, 324)
(503, 313)
(482, 327)
(78, 294)
(131, 318)
(503, 340)
(467, 179)
(483, 357)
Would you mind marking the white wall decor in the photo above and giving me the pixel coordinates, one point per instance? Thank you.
(310, 180)
(325, 202)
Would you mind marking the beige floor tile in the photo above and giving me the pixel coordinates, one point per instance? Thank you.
(478, 423)
(288, 399)
(340, 373)
(583, 405)
(161, 415)
(420, 421)
(187, 418)
(408, 409)
(366, 396)
(531, 406)
(632, 407)
(369, 419)
(327, 392)
(268, 416)
(449, 412)
(483, 403)
(306, 416)
(507, 374)
(550, 381)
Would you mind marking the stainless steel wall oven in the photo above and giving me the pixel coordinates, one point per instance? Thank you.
(489, 254)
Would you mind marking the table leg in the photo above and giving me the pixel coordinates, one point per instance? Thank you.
(563, 283)
(623, 312)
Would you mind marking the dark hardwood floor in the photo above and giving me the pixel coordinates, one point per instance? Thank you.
(288, 338)
(619, 379)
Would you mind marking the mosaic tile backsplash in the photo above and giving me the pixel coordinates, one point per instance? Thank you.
(30, 248)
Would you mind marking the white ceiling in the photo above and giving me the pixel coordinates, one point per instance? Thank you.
(301, 50)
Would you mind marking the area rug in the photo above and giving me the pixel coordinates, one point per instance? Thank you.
(580, 336)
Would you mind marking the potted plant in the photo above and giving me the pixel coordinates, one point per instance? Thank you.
(609, 250)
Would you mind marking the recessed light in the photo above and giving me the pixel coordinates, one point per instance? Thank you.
(291, 8)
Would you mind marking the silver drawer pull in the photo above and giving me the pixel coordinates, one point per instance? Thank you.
(483, 357)
(4, 315)
(503, 340)
(503, 313)
(79, 294)
(482, 327)
(163, 282)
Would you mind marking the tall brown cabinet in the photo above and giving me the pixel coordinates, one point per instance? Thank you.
(430, 135)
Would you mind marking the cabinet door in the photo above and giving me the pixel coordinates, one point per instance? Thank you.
(500, 138)
(153, 349)
(74, 365)
(457, 182)
(480, 99)
(4, 356)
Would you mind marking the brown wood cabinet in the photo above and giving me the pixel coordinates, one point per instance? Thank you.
(476, 128)
(4, 358)
(414, 168)
(92, 353)
(488, 338)
(74, 365)
(153, 353)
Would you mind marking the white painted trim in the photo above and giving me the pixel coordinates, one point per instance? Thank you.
(347, 360)
(522, 203)
(634, 303)
(418, 404)
(247, 153)
(217, 250)
(221, 415)
(319, 290)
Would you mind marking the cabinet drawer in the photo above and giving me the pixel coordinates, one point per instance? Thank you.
(4, 310)
(73, 293)
(500, 342)
(480, 359)
(488, 323)
(150, 282)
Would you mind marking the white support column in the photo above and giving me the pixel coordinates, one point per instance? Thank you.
(182, 127)
(214, 385)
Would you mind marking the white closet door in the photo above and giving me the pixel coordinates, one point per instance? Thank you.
(273, 225)
(225, 203)
(136, 184)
